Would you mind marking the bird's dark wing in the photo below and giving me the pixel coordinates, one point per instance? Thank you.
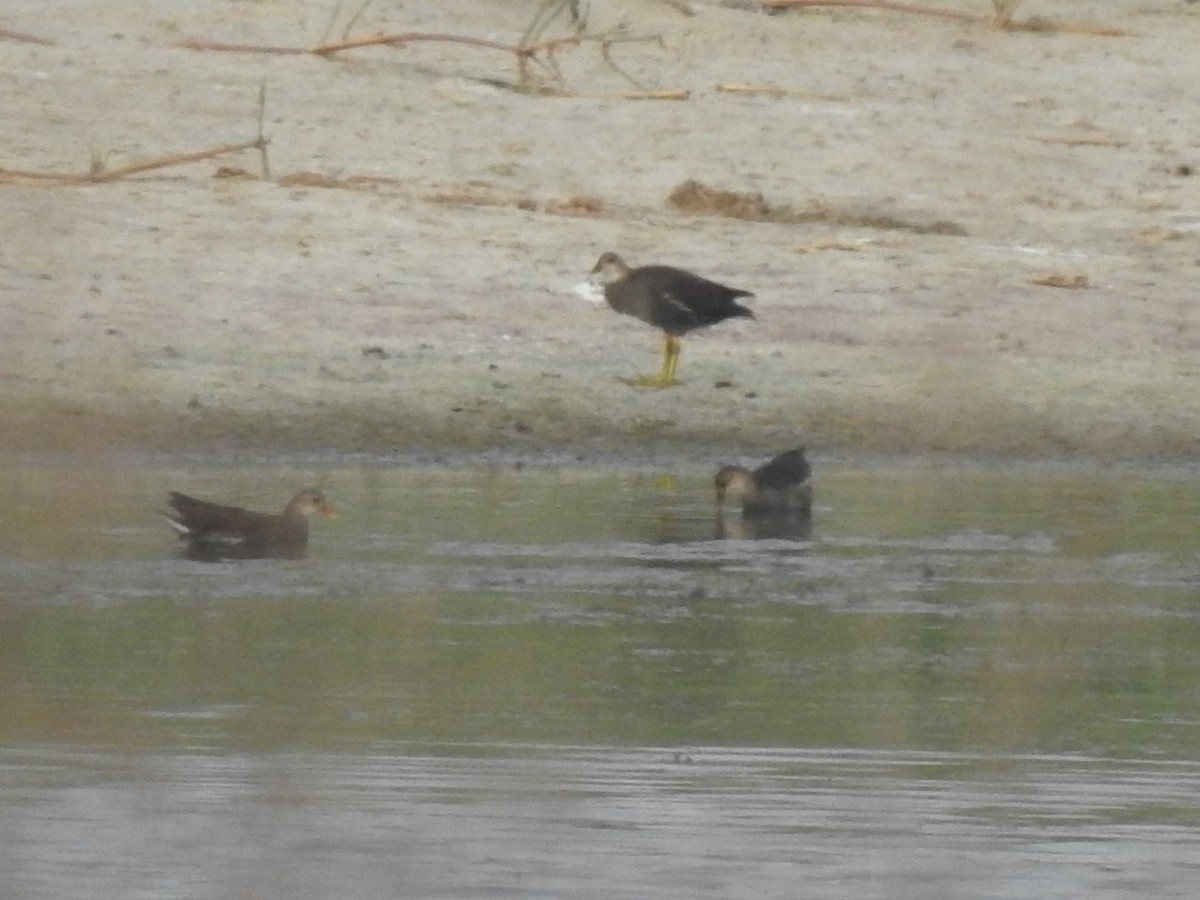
(203, 518)
(676, 309)
(684, 300)
(783, 471)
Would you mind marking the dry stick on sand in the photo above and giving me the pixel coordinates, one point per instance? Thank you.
(158, 162)
(524, 53)
(894, 5)
(22, 38)
(547, 14)
(530, 50)
(650, 94)
(351, 44)
(775, 90)
(1002, 18)
(100, 175)
(533, 40)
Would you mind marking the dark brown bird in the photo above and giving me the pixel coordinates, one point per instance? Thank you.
(230, 532)
(781, 486)
(668, 298)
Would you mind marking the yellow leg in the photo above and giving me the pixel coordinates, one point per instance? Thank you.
(671, 359)
(665, 378)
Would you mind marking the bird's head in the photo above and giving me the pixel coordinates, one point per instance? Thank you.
(609, 268)
(733, 478)
(310, 501)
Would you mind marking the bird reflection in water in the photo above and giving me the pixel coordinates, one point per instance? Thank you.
(778, 526)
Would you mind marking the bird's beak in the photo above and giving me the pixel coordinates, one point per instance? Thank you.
(327, 511)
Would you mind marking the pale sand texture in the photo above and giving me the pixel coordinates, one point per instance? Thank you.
(177, 310)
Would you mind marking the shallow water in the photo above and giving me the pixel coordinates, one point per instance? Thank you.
(557, 682)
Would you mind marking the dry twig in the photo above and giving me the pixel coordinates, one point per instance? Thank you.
(662, 94)
(773, 90)
(22, 38)
(532, 49)
(327, 50)
(1098, 140)
(893, 5)
(1002, 17)
(546, 15)
(542, 52)
(98, 174)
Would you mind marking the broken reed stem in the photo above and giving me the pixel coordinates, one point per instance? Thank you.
(174, 159)
(353, 44)
(22, 38)
(545, 16)
(395, 39)
(242, 48)
(894, 5)
(774, 90)
(526, 53)
(659, 94)
(159, 162)
(261, 139)
(1001, 20)
(605, 47)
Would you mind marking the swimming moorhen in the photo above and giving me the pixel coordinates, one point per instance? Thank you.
(780, 486)
(214, 532)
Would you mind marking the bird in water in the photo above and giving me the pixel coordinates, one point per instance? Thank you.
(668, 298)
(771, 526)
(780, 487)
(214, 532)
